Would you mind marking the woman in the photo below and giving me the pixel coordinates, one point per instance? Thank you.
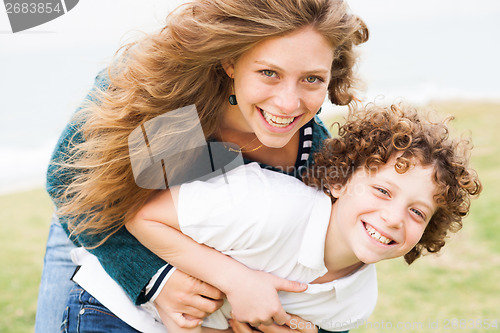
(257, 72)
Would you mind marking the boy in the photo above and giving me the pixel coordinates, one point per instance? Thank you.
(392, 184)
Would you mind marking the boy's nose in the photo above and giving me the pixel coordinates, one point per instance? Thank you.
(393, 217)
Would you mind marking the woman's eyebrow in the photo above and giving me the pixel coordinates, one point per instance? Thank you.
(321, 70)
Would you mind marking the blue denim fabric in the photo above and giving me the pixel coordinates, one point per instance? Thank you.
(55, 283)
(85, 314)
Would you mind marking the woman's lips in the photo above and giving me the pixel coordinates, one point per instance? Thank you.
(278, 124)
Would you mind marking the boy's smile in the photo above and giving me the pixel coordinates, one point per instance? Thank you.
(381, 215)
(378, 236)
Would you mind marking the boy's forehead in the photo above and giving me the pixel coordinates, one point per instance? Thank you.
(417, 181)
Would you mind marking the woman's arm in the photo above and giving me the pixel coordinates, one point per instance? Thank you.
(131, 273)
(252, 294)
(113, 254)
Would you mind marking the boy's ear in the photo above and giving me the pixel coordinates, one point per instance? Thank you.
(228, 65)
(336, 190)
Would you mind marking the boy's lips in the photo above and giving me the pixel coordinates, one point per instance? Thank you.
(377, 235)
(276, 121)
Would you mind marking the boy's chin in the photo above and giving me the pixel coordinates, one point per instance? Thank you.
(371, 259)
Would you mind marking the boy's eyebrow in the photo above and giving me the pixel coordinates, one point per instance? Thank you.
(321, 70)
(393, 184)
(427, 205)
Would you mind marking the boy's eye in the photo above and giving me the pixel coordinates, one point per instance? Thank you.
(268, 72)
(418, 213)
(383, 191)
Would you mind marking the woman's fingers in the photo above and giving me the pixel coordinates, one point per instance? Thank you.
(184, 321)
(186, 299)
(295, 324)
(239, 327)
(274, 328)
(207, 305)
(208, 291)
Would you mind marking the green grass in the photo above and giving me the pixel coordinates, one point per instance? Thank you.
(24, 222)
(462, 283)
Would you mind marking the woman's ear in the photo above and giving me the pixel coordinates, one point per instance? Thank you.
(228, 65)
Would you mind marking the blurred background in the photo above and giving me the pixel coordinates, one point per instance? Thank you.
(438, 53)
(430, 50)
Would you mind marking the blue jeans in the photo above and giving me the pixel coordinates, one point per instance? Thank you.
(85, 314)
(55, 284)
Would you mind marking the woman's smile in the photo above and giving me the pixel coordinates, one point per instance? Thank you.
(279, 84)
(278, 124)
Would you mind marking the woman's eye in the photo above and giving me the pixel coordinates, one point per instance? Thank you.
(268, 73)
(313, 79)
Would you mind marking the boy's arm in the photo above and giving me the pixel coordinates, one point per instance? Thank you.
(252, 294)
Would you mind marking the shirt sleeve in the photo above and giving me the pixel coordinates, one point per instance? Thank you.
(132, 273)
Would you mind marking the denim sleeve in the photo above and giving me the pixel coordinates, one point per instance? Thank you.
(126, 260)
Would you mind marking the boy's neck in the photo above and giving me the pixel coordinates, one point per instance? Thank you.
(339, 258)
(337, 274)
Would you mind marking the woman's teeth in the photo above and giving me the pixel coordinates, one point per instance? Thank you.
(276, 121)
(376, 235)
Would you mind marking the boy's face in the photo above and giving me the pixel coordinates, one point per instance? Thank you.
(383, 214)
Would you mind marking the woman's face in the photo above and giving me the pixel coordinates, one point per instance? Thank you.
(280, 84)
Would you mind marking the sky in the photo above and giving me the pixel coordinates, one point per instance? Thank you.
(420, 50)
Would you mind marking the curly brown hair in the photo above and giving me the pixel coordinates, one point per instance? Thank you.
(374, 134)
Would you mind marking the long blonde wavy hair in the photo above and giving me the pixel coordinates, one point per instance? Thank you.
(179, 66)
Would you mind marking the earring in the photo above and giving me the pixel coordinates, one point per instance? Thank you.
(319, 111)
(232, 100)
(232, 97)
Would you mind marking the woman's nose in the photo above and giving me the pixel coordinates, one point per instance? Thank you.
(288, 98)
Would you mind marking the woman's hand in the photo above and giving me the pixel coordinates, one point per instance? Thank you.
(187, 300)
(294, 325)
(254, 298)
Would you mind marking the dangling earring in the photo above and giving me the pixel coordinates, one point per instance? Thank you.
(232, 100)
(319, 111)
(232, 97)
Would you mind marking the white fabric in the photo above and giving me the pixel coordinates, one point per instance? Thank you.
(94, 279)
(153, 280)
(268, 221)
(273, 222)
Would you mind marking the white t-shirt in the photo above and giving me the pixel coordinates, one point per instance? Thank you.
(273, 222)
(268, 221)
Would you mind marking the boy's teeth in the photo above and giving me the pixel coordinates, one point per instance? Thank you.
(376, 235)
(277, 121)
